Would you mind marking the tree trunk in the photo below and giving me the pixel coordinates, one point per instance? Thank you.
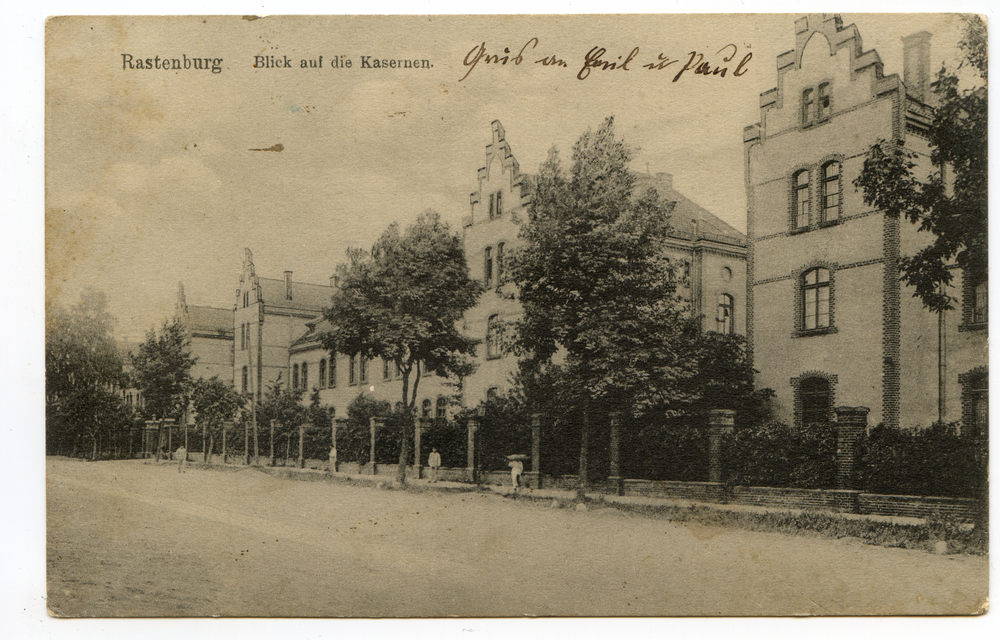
(405, 426)
(93, 455)
(581, 491)
(208, 448)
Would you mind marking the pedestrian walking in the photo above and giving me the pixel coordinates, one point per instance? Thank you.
(434, 462)
(333, 460)
(182, 455)
(516, 469)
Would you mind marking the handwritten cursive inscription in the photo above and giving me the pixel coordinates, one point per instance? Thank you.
(478, 54)
(597, 58)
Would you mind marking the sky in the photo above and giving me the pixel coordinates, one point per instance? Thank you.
(155, 177)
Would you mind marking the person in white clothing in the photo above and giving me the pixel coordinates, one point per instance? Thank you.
(516, 469)
(434, 462)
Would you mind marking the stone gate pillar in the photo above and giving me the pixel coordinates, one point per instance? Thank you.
(720, 422)
(371, 447)
(852, 422)
(470, 453)
(418, 430)
(614, 451)
(533, 478)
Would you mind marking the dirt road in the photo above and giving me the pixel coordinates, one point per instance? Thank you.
(134, 539)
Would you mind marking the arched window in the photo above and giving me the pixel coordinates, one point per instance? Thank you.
(322, 373)
(802, 201)
(332, 377)
(442, 407)
(488, 266)
(243, 337)
(493, 205)
(724, 315)
(245, 378)
(493, 337)
(816, 299)
(363, 369)
(815, 400)
(425, 408)
(352, 376)
(824, 105)
(295, 376)
(831, 191)
(305, 376)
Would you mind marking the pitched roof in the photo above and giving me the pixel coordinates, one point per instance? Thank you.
(685, 213)
(317, 328)
(305, 296)
(210, 319)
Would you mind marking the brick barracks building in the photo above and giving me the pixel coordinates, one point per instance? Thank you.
(828, 319)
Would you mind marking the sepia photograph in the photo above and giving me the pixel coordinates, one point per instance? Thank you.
(505, 316)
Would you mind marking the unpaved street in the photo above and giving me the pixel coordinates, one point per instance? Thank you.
(133, 539)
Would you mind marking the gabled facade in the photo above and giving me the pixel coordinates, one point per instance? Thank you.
(269, 315)
(210, 330)
(829, 322)
(283, 335)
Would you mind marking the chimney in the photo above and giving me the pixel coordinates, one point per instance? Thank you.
(288, 285)
(917, 64)
(665, 179)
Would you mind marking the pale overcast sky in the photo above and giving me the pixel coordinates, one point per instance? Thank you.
(151, 177)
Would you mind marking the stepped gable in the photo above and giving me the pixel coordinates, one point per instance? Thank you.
(500, 158)
(838, 37)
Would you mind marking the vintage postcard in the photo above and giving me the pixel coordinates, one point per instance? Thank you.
(526, 315)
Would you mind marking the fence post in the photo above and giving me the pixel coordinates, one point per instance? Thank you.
(371, 447)
(614, 449)
(533, 478)
(272, 441)
(470, 452)
(302, 446)
(720, 422)
(851, 425)
(418, 430)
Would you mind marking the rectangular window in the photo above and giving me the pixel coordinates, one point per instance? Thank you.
(807, 106)
(816, 299)
(802, 201)
(386, 371)
(724, 316)
(831, 191)
(352, 372)
(492, 206)
(488, 266)
(305, 376)
(980, 312)
(363, 369)
(824, 101)
(499, 203)
(332, 377)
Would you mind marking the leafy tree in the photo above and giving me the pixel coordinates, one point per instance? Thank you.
(951, 203)
(215, 402)
(402, 302)
(284, 406)
(595, 282)
(83, 370)
(162, 371)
